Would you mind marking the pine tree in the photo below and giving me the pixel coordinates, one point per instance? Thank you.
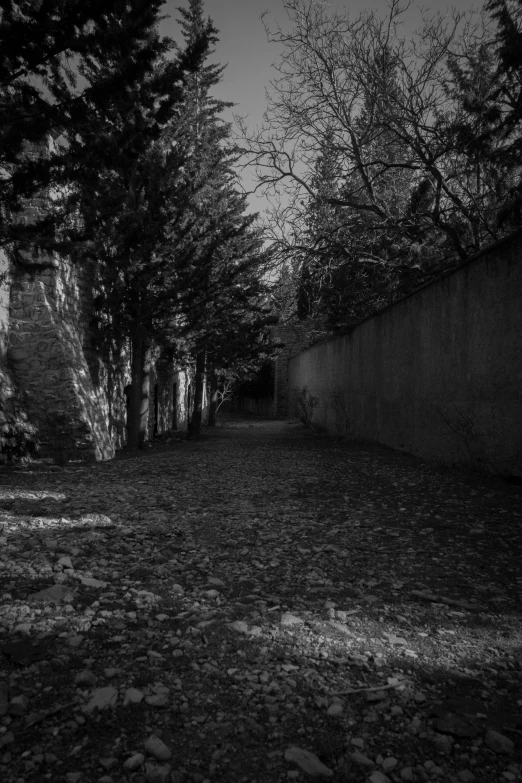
(488, 131)
(131, 171)
(216, 252)
(58, 58)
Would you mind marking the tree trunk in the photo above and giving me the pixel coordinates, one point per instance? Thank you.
(212, 410)
(141, 355)
(199, 384)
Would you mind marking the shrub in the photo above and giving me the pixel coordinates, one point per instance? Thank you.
(306, 405)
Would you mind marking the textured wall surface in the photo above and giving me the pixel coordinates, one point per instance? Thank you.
(295, 337)
(54, 377)
(438, 374)
(45, 352)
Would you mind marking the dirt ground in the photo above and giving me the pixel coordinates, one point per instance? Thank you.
(260, 605)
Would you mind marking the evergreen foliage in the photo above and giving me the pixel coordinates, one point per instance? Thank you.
(65, 66)
(221, 313)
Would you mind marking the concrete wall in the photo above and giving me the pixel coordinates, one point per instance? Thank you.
(438, 374)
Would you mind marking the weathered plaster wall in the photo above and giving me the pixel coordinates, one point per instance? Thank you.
(439, 374)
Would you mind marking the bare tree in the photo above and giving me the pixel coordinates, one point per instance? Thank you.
(387, 106)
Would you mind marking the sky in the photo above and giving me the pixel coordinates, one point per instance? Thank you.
(244, 48)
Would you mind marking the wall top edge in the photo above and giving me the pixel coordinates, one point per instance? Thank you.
(508, 239)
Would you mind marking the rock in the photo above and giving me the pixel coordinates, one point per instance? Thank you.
(108, 763)
(398, 640)
(132, 696)
(212, 580)
(458, 725)
(134, 762)
(407, 773)
(498, 742)
(389, 763)
(307, 761)
(101, 699)
(338, 626)
(158, 700)
(66, 562)
(361, 759)
(466, 776)
(88, 581)
(240, 626)
(443, 743)
(18, 705)
(157, 748)
(290, 619)
(157, 774)
(85, 678)
(72, 777)
(53, 595)
(378, 777)
(335, 709)
(4, 698)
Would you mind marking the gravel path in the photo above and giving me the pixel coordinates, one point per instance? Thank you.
(261, 605)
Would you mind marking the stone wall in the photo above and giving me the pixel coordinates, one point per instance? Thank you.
(438, 374)
(47, 330)
(56, 378)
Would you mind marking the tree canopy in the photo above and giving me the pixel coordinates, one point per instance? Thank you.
(388, 155)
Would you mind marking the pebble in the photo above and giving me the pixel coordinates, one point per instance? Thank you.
(18, 705)
(132, 696)
(289, 619)
(335, 709)
(361, 759)
(378, 777)
(466, 775)
(134, 762)
(308, 762)
(158, 700)
(157, 748)
(239, 626)
(407, 773)
(443, 743)
(389, 763)
(157, 774)
(85, 678)
(498, 742)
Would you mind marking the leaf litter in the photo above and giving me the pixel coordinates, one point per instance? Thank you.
(261, 605)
